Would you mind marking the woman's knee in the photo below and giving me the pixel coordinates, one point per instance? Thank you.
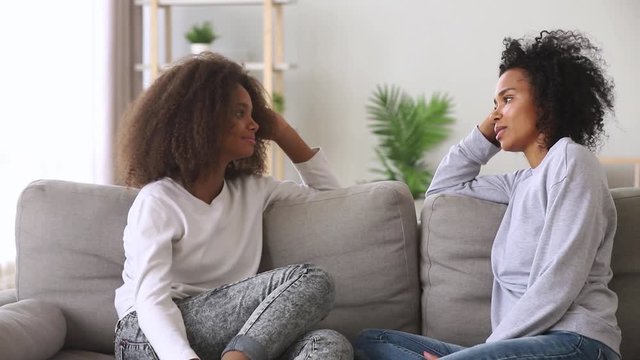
(368, 336)
(365, 343)
(372, 335)
(321, 283)
(332, 344)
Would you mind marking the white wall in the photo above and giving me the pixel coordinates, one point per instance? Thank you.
(344, 48)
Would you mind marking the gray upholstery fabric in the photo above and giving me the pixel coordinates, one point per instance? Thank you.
(69, 253)
(30, 330)
(81, 355)
(69, 242)
(7, 296)
(365, 236)
(626, 268)
(70, 256)
(457, 233)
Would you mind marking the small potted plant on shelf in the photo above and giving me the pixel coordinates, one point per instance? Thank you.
(406, 129)
(278, 102)
(201, 37)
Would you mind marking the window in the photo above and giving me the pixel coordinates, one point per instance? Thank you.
(52, 97)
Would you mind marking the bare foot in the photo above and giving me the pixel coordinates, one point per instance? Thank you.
(428, 356)
(234, 355)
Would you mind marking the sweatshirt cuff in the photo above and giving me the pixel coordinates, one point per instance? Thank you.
(478, 147)
(316, 172)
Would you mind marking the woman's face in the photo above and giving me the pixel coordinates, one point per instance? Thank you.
(515, 113)
(240, 140)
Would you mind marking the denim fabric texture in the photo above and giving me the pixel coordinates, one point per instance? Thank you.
(378, 344)
(268, 316)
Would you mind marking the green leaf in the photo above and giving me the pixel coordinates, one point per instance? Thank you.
(201, 34)
(406, 129)
(278, 102)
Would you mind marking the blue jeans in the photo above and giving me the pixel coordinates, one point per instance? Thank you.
(378, 344)
(267, 316)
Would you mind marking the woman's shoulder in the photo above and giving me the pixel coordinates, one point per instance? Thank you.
(567, 152)
(166, 194)
(568, 159)
(254, 189)
(251, 182)
(581, 157)
(159, 189)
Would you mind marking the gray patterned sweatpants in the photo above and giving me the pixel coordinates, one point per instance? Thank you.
(267, 316)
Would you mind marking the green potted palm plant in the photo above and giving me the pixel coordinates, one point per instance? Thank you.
(201, 36)
(406, 129)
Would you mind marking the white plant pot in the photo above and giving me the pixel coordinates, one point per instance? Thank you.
(197, 48)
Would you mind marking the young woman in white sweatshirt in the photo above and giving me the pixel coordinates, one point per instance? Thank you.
(551, 255)
(195, 143)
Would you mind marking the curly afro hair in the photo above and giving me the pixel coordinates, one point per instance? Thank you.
(572, 92)
(174, 129)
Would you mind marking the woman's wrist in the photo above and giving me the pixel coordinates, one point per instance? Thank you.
(293, 145)
(282, 132)
(487, 129)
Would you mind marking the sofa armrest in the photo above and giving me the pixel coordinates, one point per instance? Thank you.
(31, 330)
(7, 296)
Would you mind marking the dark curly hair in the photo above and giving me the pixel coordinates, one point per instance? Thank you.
(572, 92)
(175, 127)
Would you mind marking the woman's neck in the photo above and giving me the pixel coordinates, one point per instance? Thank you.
(536, 152)
(208, 185)
(535, 156)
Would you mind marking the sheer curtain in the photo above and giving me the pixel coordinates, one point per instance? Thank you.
(64, 84)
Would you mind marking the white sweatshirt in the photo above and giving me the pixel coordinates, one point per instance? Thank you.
(551, 256)
(177, 246)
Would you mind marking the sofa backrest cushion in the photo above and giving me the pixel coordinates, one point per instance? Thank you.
(365, 236)
(455, 271)
(69, 253)
(457, 234)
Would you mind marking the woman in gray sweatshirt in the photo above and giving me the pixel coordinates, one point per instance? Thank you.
(551, 255)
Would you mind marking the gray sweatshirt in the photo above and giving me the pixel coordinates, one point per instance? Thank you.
(551, 256)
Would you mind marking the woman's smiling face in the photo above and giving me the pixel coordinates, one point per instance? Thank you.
(240, 141)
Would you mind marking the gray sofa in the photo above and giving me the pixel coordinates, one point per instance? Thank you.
(389, 271)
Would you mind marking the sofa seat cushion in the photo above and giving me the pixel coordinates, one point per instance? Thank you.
(31, 330)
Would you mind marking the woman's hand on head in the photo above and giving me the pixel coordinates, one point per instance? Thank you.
(288, 139)
(487, 128)
(279, 126)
